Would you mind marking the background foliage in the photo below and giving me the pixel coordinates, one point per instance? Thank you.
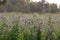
(28, 7)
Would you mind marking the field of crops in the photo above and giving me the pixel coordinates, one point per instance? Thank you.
(18, 26)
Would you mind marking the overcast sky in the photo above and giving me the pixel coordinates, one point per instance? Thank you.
(51, 1)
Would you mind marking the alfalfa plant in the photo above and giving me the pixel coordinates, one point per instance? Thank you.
(50, 32)
(33, 33)
(39, 31)
(13, 35)
(58, 35)
(26, 33)
(3, 30)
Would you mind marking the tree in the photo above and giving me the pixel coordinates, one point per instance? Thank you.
(46, 7)
(39, 6)
(53, 8)
(3, 2)
(43, 2)
(15, 5)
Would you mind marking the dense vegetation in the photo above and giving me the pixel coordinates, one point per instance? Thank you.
(29, 26)
(25, 23)
(27, 6)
